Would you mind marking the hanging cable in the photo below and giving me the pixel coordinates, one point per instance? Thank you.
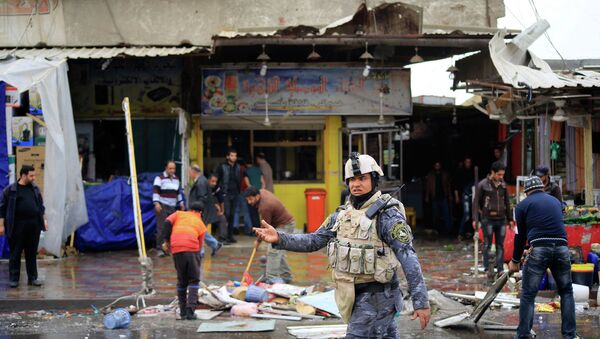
(29, 24)
(538, 17)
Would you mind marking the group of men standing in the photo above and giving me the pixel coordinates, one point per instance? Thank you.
(219, 193)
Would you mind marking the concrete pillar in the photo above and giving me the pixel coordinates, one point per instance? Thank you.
(333, 161)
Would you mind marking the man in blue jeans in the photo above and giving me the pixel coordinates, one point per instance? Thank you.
(491, 210)
(540, 222)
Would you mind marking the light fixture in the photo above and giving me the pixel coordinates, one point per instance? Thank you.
(264, 57)
(366, 71)
(560, 115)
(366, 56)
(452, 70)
(267, 122)
(313, 56)
(105, 64)
(416, 58)
(263, 69)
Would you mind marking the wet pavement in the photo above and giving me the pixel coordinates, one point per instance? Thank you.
(73, 284)
(113, 274)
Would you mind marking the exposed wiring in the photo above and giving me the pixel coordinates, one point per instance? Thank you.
(112, 17)
(538, 17)
(29, 24)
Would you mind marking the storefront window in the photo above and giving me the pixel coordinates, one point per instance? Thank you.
(294, 155)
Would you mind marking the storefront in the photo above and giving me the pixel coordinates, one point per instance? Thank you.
(305, 119)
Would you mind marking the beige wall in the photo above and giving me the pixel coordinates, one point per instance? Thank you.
(161, 22)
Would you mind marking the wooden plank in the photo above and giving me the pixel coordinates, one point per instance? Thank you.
(276, 317)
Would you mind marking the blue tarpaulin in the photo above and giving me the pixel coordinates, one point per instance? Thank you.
(4, 251)
(111, 220)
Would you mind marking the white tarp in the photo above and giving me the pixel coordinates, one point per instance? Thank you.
(63, 187)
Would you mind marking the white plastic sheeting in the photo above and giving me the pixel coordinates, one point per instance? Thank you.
(518, 67)
(63, 187)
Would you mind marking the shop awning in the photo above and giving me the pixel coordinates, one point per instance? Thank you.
(99, 52)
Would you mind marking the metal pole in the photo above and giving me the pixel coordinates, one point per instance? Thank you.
(380, 144)
(349, 144)
(139, 227)
(390, 158)
(523, 147)
(401, 160)
(364, 140)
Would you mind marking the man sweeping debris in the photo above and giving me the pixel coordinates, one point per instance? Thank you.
(274, 213)
(540, 222)
(365, 240)
(184, 231)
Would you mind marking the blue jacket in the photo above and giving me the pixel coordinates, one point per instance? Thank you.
(539, 220)
(8, 206)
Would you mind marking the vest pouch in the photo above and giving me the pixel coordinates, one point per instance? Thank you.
(332, 252)
(369, 261)
(342, 262)
(384, 269)
(355, 260)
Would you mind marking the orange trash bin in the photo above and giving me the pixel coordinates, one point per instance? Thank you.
(315, 208)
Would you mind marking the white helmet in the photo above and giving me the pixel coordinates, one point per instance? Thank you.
(360, 164)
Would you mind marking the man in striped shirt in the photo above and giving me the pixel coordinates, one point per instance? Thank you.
(167, 196)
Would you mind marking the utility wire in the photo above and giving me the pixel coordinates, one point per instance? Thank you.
(29, 21)
(538, 17)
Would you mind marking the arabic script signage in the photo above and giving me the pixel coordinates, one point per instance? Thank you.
(315, 91)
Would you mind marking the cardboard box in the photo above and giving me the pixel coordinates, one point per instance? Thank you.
(22, 131)
(34, 156)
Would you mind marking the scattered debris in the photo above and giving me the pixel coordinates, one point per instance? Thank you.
(550, 307)
(244, 310)
(207, 314)
(287, 291)
(443, 302)
(238, 326)
(320, 331)
(323, 301)
(277, 317)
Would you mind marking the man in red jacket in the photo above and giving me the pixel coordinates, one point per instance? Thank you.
(185, 231)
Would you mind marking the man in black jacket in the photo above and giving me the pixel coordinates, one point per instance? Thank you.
(230, 177)
(21, 219)
(200, 191)
(491, 209)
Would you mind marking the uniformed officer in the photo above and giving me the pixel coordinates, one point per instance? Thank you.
(366, 240)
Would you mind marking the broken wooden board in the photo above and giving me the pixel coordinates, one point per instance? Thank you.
(237, 326)
(323, 301)
(319, 331)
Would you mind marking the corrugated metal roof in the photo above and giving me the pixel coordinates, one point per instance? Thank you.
(98, 52)
(517, 67)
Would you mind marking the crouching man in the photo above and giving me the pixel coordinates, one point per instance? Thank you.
(366, 240)
(184, 231)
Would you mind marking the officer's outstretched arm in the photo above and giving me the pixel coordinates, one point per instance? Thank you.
(397, 234)
(308, 242)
